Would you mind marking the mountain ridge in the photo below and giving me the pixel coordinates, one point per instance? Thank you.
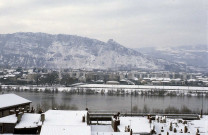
(195, 57)
(28, 49)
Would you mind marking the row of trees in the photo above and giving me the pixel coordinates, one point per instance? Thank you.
(53, 78)
(41, 79)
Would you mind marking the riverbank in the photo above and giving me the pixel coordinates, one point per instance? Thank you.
(114, 89)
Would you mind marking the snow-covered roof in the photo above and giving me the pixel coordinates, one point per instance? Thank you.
(146, 78)
(205, 81)
(112, 82)
(137, 124)
(135, 78)
(8, 100)
(65, 130)
(30, 71)
(100, 81)
(101, 128)
(177, 79)
(29, 120)
(65, 122)
(191, 80)
(16, 73)
(9, 119)
(62, 117)
(111, 133)
(165, 81)
(10, 70)
(123, 80)
(9, 75)
(105, 130)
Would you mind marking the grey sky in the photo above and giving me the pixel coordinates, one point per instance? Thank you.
(132, 23)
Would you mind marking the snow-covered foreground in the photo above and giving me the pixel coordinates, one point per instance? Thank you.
(161, 125)
(179, 126)
(115, 89)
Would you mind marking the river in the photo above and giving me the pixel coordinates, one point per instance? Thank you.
(122, 103)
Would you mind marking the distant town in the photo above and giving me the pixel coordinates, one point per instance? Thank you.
(67, 77)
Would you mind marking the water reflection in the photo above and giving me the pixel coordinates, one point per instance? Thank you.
(99, 102)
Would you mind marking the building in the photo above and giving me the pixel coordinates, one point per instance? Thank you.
(28, 123)
(112, 82)
(12, 102)
(61, 122)
(21, 123)
(7, 124)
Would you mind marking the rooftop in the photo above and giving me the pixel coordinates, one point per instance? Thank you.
(65, 123)
(111, 133)
(9, 119)
(29, 120)
(62, 117)
(101, 128)
(105, 130)
(65, 130)
(8, 100)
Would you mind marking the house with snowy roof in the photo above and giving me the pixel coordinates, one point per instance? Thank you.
(21, 123)
(62, 122)
(11, 102)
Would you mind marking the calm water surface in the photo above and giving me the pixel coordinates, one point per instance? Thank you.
(100, 102)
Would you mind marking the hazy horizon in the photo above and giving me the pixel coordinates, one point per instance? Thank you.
(133, 24)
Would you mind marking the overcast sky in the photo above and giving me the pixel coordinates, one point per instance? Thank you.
(132, 23)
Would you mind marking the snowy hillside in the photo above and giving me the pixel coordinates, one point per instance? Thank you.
(69, 51)
(195, 57)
